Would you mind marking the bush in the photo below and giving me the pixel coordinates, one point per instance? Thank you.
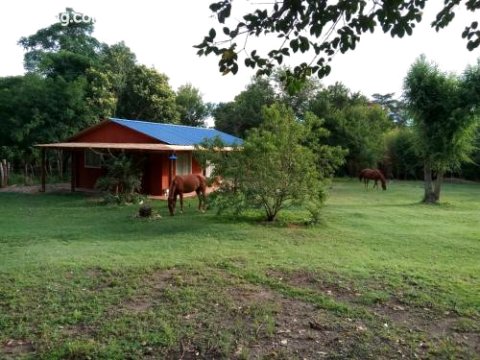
(272, 171)
(145, 211)
(122, 179)
(121, 199)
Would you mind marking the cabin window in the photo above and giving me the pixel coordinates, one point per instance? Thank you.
(93, 159)
(184, 164)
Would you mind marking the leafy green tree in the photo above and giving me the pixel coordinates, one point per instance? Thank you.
(319, 28)
(299, 101)
(445, 113)
(193, 111)
(245, 112)
(19, 118)
(72, 80)
(147, 95)
(396, 108)
(100, 95)
(471, 170)
(61, 50)
(401, 160)
(354, 124)
(272, 170)
(107, 79)
(123, 176)
(118, 61)
(38, 110)
(328, 158)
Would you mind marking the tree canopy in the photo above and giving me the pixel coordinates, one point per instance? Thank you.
(319, 28)
(445, 109)
(72, 81)
(193, 111)
(147, 95)
(59, 50)
(275, 168)
(245, 112)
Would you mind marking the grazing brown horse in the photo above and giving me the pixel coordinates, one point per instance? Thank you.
(183, 184)
(372, 174)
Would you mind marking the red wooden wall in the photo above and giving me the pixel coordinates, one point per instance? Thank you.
(111, 132)
(85, 177)
(156, 175)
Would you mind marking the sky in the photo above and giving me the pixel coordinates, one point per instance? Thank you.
(162, 34)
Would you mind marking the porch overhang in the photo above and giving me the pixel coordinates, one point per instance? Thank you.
(123, 146)
(116, 146)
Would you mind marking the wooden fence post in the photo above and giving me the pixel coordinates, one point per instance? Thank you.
(6, 171)
(73, 180)
(42, 189)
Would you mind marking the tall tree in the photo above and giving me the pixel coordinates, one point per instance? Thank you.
(445, 110)
(38, 110)
(321, 28)
(400, 159)
(395, 107)
(193, 111)
(299, 100)
(245, 112)
(66, 50)
(354, 124)
(328, 158)
(118, 61)
(108, 79)
(147, 96)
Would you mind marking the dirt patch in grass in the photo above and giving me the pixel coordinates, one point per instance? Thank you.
(430, 327)
(338, 289)
(215, 313)
(150, 292)
(14, 349)
(219, 316)
(293, 329)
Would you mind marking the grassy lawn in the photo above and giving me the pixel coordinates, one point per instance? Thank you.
(381, 277)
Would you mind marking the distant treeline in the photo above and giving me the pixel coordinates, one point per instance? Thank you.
(73, 81)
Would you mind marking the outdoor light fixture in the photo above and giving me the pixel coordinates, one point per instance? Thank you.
(173, 157)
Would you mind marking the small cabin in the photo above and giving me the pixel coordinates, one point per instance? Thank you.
(164, 150)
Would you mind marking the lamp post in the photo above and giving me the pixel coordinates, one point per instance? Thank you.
(172, 158)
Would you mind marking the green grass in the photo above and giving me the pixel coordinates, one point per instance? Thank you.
(81, 280)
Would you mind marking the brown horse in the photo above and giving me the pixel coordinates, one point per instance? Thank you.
(183, 184)
(372, 174)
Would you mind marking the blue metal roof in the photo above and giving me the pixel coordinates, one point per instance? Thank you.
(177, 134)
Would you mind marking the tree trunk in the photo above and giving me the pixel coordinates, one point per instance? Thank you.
(429, 196)
(2, 176)
(6, 172)
(60, 163)
(438, 185)
(25, 174)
